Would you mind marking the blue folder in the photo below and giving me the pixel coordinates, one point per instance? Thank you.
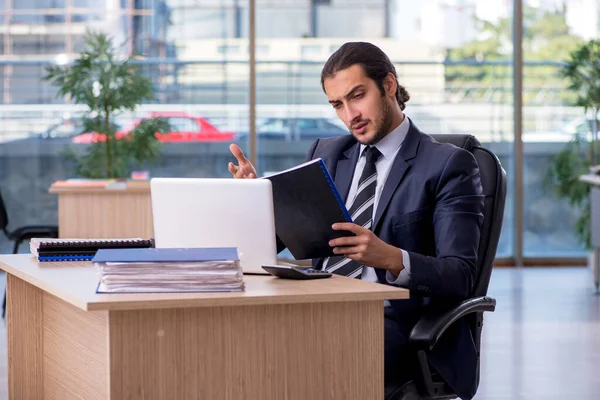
(166, 255)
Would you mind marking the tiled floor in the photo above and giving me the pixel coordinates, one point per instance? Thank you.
(543, 341)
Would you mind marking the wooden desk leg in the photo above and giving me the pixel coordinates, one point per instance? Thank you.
(55, 350)
(24, 304)
(298, 351)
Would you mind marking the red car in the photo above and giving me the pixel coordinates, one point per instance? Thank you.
(184, 128)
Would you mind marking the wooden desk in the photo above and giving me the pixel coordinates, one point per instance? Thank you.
(104, 213)
(280, 339)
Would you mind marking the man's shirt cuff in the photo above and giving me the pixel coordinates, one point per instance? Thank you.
(403, 278)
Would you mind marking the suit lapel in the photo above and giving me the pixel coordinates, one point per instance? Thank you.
(399, 168)
(345, 170)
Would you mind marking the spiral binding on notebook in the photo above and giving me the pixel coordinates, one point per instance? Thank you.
(96, 243)
(80, 249)
(335, 192)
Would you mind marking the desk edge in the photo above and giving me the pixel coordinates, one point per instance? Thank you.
(244, 301)
(387, 294)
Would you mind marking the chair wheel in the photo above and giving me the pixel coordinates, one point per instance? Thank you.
(408, 391)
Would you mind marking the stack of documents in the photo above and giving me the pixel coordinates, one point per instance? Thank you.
(169, 270)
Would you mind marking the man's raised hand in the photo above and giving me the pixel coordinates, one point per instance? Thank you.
(244, 169)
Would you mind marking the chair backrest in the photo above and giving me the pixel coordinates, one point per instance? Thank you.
(3, 215)
(493, 181)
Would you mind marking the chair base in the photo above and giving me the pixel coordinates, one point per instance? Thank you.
(410, 391)
(407, 391)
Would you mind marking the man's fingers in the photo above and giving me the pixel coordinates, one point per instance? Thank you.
(238, 154)
(349, 226)
(239, 172)
(232, 168)
(350, 252)
(244, 169)
(345, 241)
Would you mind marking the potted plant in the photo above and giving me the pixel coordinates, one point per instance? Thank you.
(579, 156)
(108, 85)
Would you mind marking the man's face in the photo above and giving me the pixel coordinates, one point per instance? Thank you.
(359, 104)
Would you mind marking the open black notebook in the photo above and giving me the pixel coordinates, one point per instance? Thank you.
(80, 249)
(307, 203)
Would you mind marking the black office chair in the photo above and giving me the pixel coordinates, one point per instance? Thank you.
(22, 234)
(427, 332)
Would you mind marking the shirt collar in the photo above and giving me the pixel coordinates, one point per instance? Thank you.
(392, 141)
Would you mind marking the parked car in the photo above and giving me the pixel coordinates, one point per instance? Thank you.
(66, 128)
(581, 126)
(184, 128)
(291, 129)
(563, 132)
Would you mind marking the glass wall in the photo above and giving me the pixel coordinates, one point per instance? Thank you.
(194, 51)
(453, 56)
(550, 120)
(434, 45)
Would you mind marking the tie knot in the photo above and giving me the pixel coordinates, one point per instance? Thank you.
(372, 154)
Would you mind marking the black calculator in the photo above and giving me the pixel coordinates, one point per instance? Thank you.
(290, 272)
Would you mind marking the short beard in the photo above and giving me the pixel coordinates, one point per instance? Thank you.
(382, 125)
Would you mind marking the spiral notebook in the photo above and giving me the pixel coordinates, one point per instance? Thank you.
(45, 249)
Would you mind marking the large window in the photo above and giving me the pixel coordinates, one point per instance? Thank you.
(182, 45)
(453, 56)
(453, 87)
(551, 31)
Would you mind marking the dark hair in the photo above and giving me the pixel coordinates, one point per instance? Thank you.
(374, 62)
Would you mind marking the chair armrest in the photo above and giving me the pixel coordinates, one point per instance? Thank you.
(428, 330)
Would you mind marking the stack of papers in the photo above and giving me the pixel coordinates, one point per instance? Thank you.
(168, 270)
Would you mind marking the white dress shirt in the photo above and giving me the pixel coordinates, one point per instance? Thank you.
(389, 147)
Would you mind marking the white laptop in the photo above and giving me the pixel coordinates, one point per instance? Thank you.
(193, 212)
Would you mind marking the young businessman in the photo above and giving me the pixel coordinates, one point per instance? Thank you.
(416, 205)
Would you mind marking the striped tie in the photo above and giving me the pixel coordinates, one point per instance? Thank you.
(361, 213)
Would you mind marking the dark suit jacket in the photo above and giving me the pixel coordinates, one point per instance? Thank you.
(432, 207)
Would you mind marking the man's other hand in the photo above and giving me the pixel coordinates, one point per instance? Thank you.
(367, 248)
(244, 169)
